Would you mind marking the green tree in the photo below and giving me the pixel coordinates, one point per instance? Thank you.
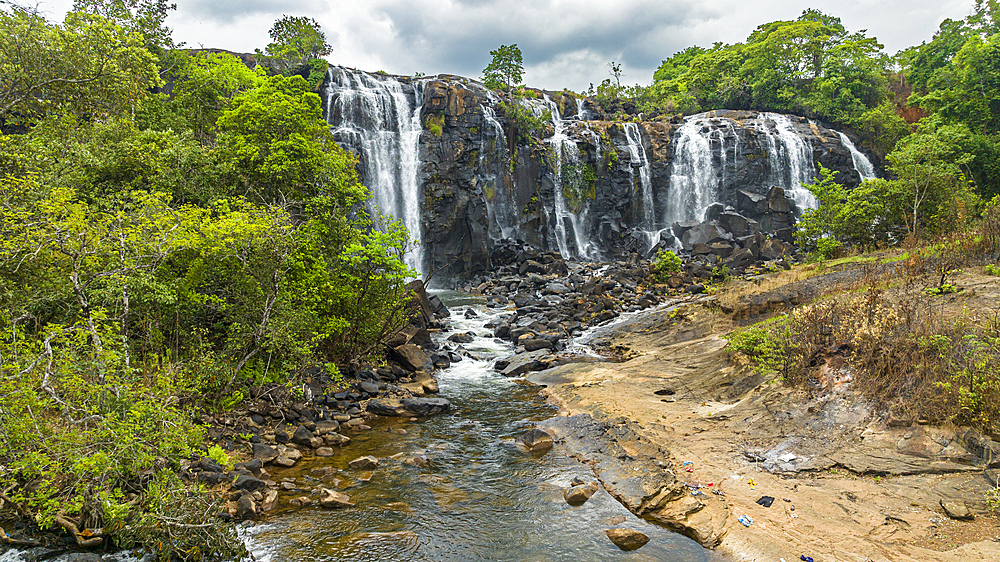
(87, 66)
(206, 84)
(505, 69)
(145, 17)
(282, 150)
(933, 165)
(296, 41)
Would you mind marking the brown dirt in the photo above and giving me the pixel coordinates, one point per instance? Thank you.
(856, 489)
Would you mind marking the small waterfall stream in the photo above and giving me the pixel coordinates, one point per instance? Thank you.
(374, 117)
(861, 162)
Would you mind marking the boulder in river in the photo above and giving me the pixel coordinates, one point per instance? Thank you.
(580, 493)
(522, 363)
(627, 539)
(411, 357)
(408, 407)
(332, 499)
(364, 463)
(535, 441)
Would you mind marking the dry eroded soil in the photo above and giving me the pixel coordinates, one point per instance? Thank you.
(847, 486)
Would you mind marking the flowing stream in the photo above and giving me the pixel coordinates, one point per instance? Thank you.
(479, 497)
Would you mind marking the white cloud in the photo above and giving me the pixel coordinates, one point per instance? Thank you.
(565, 43)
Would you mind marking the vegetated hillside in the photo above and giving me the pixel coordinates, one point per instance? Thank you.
(161, 254)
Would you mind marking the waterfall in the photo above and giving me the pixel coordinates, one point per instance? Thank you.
(861, 162)
(501, 207)
(790, 159)
(374, 117)
(640, 162)
(693, 179)
(568, 223)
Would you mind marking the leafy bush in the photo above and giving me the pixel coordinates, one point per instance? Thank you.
(666, 263)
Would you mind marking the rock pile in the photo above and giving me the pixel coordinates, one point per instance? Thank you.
(760, 230)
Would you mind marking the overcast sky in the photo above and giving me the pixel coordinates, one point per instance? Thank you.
(566, 44)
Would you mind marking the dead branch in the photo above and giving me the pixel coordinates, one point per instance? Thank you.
(85, 538)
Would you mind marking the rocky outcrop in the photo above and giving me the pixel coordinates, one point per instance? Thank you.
(583, 185)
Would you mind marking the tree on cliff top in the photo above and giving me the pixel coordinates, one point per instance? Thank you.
(506, 68)
(297, 40)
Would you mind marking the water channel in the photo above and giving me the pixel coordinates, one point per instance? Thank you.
(479, 497)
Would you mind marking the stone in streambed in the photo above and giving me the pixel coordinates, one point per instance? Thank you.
(525, 362)
(265, 453)
(579, 494)
(535, 441)
(331, 499)
(302, 436)
(364, 463)
(408, 407)
(246, 510)
(411, 357)
(627, 539)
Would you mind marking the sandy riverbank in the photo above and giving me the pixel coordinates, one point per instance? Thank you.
(846, 485)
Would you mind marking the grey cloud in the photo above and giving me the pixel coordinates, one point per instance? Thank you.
(228, 11)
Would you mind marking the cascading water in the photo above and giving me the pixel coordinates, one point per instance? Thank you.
(502, 207)
(640, 162)
(861, 162)
(693, 179)
(374, 117)
(570, 228)
(790, 159)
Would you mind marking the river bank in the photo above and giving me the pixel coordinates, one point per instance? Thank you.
(837, 480)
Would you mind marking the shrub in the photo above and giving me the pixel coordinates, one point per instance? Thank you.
(666, 263)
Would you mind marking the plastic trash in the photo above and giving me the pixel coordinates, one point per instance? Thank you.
(752, 482)
(765, 501)
(688, 463)
(805, 558)
(747, 522)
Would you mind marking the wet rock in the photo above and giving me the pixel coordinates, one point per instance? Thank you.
(301, 501)
(336, 439)
(265, 453)
(426, 406)
(579, 494)
(466, 337)
(326, 426)
(254, 466)
(246, 510)
(627, 539)
(469, 313)
(411, 357)
(248, 483)
(212, 478)
(522, 363)
(408, 407)
(536, 344)
(427, 381)
(270, 501)
(332, 499)
(302, 436)
(536, 441)
(324, 452)
(363, 463)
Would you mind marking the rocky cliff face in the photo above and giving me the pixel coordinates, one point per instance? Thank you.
(588, 188)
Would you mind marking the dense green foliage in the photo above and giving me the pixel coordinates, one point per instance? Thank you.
(161, 254)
